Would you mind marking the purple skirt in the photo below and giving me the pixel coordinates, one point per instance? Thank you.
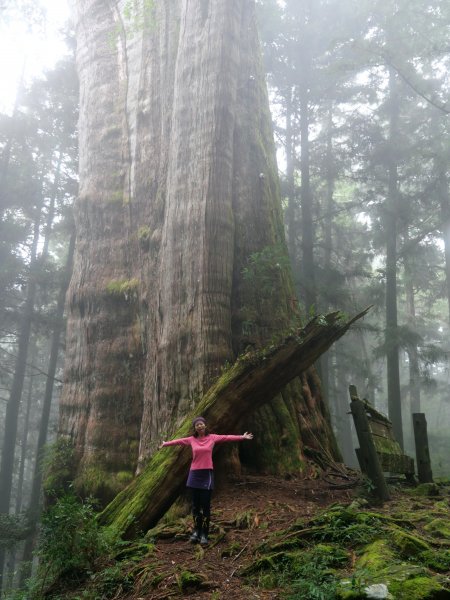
(202, 479)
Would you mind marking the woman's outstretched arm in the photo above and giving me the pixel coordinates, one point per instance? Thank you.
(232, 438)
(178, 442)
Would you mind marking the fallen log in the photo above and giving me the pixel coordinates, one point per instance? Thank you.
(255, 378)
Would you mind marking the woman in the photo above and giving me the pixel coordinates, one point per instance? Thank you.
(201, 473)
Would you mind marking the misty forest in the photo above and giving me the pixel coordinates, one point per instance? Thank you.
(237, 210)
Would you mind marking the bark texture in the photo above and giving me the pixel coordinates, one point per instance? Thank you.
(181, 258)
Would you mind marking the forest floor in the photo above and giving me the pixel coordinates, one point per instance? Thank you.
(245, 513)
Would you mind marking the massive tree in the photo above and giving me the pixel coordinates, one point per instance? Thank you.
(180, 260)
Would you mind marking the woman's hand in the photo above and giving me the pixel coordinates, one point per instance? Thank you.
(247, 436)
(161, 445)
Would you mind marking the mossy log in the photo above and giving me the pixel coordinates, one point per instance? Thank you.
(255, 378)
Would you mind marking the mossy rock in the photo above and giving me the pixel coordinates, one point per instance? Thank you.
(426, 490)
(436, 560)
(408, 545)
(379, 564)
(376, 556)
(418, 588)
(439, 528)
(188, 581)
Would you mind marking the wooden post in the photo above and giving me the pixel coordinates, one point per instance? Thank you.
(367, 455)
(422, 450)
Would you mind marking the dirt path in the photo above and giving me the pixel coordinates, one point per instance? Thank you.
(245, 513)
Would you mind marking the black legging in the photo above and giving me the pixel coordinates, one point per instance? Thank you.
(201, 502)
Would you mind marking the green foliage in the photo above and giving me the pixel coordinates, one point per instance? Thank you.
(309, 574)
(12, 529)
(72, 544)
(57, 467)
(263, 270)
(138, 16)
(265, 274)
(348, 527)
(311, 559)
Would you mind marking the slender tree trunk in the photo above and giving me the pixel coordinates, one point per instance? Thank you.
(413, 355)
(12, 413)
(24, 442)
(12, 409)
(391, 218)
(34, 507)
(308, 282)
(328, 243)
(444, 197)
(292, 226)
(6, 152)
(343, 421)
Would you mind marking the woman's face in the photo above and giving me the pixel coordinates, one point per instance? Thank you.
(200, 427)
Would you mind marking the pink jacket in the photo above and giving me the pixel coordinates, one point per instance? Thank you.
(202, 447)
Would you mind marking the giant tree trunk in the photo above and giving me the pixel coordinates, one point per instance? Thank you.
(178, 192)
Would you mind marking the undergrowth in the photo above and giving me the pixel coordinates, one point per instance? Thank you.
(74, 549)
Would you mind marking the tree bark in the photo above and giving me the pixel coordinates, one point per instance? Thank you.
(252, 381)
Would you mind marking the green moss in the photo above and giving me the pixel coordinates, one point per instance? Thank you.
(126, 287)
(417, 588)
(379, 563)
(116, 198)
(409, 545)
(144, 235)
(426, 489)
(437, 560)
(376, 556)
(276, 454)
(439, 527)
(385, 445)
(98, 482)
(187, 580)
(124, 477)
(398, 558)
